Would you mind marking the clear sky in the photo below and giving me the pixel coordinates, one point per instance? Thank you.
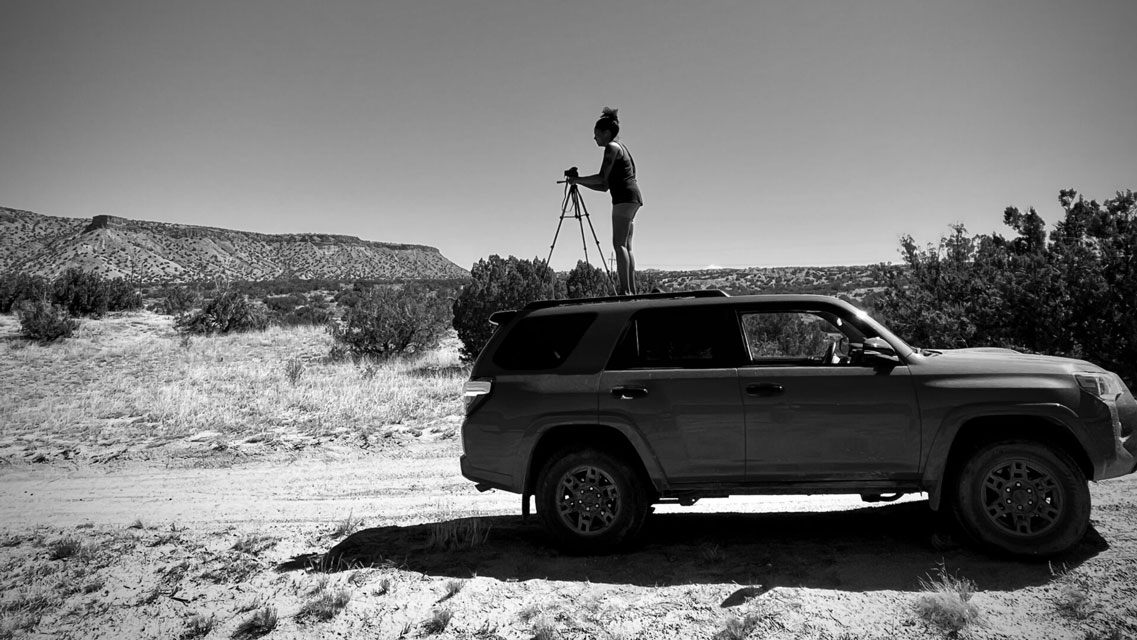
(768, 133)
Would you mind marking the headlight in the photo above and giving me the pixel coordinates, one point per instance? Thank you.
(1103, 385)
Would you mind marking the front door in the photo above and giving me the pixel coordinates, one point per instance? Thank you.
(812, 414)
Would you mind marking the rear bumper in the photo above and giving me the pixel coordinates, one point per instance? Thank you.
(485, 477)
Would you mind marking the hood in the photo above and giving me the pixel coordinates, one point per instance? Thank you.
(998, 359)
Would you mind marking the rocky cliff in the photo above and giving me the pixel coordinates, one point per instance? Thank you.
(164, 252)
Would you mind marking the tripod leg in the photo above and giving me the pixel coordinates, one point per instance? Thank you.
(577, 204)
(564, 213)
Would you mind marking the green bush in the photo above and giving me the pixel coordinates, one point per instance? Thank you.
(390, 320)
(178, 300)
(499, 284)
(297, 309)
(229, 312)
(85, 293)
(587, 281)
(44, 321)
(1071, 293)
(307, 315)
(17, 287)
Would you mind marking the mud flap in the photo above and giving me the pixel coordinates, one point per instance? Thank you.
(525, 506)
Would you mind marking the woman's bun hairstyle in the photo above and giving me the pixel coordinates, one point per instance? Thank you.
(609, 121)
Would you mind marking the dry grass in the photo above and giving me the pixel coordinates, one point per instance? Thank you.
(325, 605)
(262, 622)
(737, 628)
(253, 544)
(1073, 599)
(453, 588)
(198, 626)
(458, 535)
(438, 621)
(946, 602)
(129, 380)
(65, 548)
(347, 526)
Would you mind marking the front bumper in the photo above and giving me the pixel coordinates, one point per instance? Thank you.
(1124, 416)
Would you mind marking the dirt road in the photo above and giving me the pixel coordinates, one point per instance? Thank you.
(224, 538)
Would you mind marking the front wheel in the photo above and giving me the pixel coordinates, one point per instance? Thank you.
(1023, 498)
(590, 501)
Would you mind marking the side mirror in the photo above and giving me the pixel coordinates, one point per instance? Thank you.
(878, 353)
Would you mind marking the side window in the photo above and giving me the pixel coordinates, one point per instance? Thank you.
(793, 338)
(689, 338)
(542, 343)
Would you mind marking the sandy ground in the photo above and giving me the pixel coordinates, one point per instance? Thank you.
(196, 547)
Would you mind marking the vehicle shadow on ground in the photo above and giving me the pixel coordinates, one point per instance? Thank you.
(888, 547)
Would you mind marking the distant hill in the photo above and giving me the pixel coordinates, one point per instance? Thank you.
(163, 252)
(858, 282)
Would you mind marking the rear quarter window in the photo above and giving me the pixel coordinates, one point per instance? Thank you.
(542, 342)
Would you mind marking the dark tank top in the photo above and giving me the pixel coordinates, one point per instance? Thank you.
(622, 179)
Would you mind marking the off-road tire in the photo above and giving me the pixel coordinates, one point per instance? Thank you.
(590, 501)
(1023, 498)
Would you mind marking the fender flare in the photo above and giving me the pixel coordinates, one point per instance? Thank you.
(947, 436)
(631, 434)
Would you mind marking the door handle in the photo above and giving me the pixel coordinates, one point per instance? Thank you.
(628, 393)
(764, 389)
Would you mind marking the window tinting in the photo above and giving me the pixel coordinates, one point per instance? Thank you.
(689, 338)
(543, 342)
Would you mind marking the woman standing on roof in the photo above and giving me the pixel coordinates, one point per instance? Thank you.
(617, 176)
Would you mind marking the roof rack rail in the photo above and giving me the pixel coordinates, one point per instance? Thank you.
(667, 295)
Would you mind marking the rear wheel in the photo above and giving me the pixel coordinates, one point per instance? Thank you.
(590, 501)
(1024, 498)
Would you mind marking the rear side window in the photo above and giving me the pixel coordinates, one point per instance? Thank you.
(679, 338)
(543, 342)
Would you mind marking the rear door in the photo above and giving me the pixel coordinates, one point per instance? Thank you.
(673, 378)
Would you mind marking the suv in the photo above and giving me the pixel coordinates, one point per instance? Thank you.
(602, 407)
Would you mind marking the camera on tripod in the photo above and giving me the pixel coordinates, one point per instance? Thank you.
(573, 207)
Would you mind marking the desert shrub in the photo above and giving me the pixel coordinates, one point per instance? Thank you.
(81, 293)
(388, 321)
(43, 321)
(229, 312)
(178, 300)
(122, 295)
(498, 284)
(85, 293)
(295, 309)
(587, 281)
(1071, 292)
(284, 304)
(18, 287)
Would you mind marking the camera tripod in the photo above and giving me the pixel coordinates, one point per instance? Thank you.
(573, 207)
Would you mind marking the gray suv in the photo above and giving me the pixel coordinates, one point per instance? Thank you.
(600, 408)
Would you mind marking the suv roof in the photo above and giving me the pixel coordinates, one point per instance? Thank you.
(669, 299)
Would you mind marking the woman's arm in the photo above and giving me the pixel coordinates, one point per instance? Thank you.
(599, 181)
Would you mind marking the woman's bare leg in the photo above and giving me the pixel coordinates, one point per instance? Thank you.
(623, 216)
